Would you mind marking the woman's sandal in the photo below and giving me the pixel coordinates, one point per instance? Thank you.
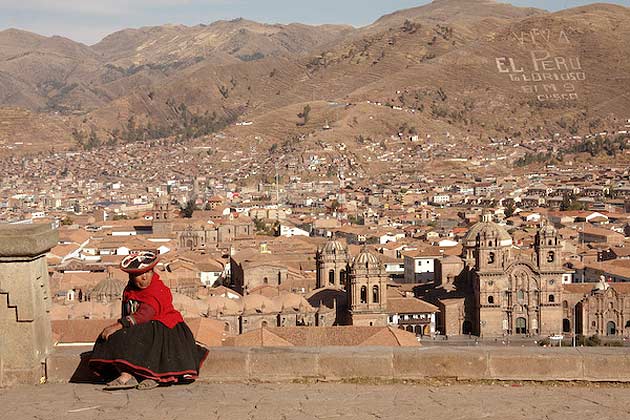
(117, 384)
(147, 384)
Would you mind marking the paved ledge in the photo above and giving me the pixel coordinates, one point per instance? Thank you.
(320, 401)
(226, 364)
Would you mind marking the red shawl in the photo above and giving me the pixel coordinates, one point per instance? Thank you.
(159, 297)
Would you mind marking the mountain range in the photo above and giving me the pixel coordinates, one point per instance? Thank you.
(476, 68)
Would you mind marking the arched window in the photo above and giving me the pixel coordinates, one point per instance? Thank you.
(550, 242)
(491, 300)
(565, 304)
(551, 256)
(266, 280)
(331, 277)
(375, 295)
(363, 294)
(552, 299)
(491, 258)
(342, 278)
(520, 295)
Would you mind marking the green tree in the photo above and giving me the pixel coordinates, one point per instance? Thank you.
(93, 141)
(305, 114)
(188, 209)
(509, 209)
(259, 225)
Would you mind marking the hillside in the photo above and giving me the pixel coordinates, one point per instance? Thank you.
(223, 42)
(363, 57)
(471, 70)
(22, 131)
(55, 74)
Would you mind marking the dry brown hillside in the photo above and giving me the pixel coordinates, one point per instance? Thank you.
(22, 131)
(223, 42)
(55, 74)
(354, 61)
(473, 68)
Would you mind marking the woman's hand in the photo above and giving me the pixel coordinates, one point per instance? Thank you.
(109, 330)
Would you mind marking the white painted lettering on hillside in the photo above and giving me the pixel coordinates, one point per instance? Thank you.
(545, 74)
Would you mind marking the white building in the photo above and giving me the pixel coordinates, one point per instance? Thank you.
(420, 265)
(441, 199)
(288, 231)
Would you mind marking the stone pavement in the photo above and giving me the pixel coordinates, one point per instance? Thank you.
(429, 400)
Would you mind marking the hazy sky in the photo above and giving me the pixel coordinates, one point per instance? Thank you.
(89, 20)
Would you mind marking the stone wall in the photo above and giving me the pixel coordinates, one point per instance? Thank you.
(227, 364)
(25, 332)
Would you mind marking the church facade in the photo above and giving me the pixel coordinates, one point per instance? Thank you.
(514, 293)
(503, 290)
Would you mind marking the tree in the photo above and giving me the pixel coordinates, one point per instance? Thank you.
(93, 140)
(188, 209)
(259, 225)
(569, 202)
(79, 137)
(225, 91)
(566, 203)
(509, 209)
(305, 114)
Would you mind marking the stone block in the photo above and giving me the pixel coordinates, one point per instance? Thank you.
(70, 364)
(12, 377)
(412, 363)
(607, 366)
(359, 362)
(226, 364)
(17, 241)
(535, 365)
(286, 363)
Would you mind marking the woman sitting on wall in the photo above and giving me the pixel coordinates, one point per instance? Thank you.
(150, 343)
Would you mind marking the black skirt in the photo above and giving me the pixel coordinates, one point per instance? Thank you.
(150, 351)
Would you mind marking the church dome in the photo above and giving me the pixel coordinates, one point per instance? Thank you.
(108, 290)
(333, 247)
(223, 305)
(487, 229)
(256, 303)
(366, 258)
(292, 301)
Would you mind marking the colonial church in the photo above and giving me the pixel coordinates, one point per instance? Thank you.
(364, 280)
(514, 293)
(497, 289)
(198, 234)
